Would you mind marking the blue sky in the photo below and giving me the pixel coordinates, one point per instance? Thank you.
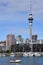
(14, 18)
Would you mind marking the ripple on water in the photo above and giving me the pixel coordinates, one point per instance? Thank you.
(25, 61)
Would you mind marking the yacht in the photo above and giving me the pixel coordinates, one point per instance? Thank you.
(37, 54)
(12, 54)
(25, 54)
(34, 54)
(15, 61)
(2, 55)
(30, 53)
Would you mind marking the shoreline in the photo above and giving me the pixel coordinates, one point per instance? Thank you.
(22, 54)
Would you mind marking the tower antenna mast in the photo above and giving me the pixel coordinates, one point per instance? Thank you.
(30, 7)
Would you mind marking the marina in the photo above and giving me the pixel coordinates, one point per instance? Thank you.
(24, 54)
(24, 61)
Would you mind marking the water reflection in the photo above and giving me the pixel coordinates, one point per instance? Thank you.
(32, 61)
(17, 63)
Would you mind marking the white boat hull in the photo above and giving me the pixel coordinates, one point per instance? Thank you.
(37, 54)
(25, 54)
(12, 55)
(15, 61)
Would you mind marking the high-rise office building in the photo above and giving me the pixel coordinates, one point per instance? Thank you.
(19, 39)
(34, 37)
(10, 41)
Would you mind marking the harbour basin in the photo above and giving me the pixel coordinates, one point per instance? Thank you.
(24, 60)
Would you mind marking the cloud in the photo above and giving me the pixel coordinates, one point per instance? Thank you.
(4, 3)
(15, 6)
(37, 6)
(19, 9)
(11, 9)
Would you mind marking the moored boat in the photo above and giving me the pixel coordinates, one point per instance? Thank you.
(12, 54)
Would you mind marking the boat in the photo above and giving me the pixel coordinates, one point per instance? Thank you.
(3, 55)
(12, 54)
(37, 54)
(25, 54)
(30, 53)
(15, 61)
(34, 54)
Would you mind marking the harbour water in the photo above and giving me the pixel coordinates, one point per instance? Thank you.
(24, 60)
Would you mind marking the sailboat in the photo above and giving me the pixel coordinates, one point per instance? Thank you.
(17, 60)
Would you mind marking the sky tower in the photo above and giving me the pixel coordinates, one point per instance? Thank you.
(30, 25)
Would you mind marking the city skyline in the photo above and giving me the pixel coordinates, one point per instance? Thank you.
(14, 18)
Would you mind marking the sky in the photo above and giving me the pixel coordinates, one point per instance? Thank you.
(14, 16)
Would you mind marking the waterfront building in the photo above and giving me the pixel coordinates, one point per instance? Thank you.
(34, 37)
(10, 40)
(2, 45)
(24, 41)
(19, 39)
(27, 40)
(37, 41)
